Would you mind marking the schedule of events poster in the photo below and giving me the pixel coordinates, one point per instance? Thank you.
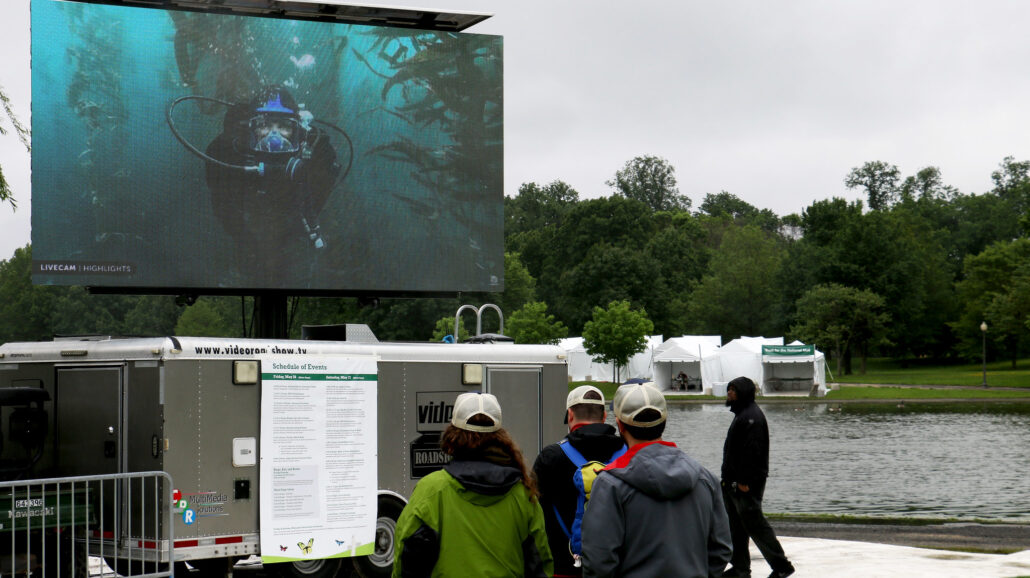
(318, 457)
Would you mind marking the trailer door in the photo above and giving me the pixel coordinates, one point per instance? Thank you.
(88, 432)
(519, 389)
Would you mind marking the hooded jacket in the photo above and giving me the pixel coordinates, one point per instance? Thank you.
(473, 518)
(745, 455)
(655, 512)
(554, 470)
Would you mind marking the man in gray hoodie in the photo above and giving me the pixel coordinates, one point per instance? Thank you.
(655, 511)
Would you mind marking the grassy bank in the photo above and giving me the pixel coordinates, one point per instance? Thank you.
(889, 371)
(859, 392)
(853, 392)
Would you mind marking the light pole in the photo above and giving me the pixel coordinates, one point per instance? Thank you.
(983, 332)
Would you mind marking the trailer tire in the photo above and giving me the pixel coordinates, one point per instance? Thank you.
(322, 568)
(380, 562)
(59, 562)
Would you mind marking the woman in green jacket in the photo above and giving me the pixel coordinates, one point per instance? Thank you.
(479, 516)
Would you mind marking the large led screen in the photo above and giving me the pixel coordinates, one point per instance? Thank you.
(176, 149)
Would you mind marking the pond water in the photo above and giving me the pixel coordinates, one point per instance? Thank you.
(923, 460)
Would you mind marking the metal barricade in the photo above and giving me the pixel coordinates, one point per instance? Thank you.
(105, 525)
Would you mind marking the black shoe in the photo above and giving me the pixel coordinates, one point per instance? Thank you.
(782, 573)
(734, 573)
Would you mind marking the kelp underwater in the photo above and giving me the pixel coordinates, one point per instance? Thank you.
(414, 119)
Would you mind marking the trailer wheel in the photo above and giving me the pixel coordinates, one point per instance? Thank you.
(325, 568)
(59, 562)
(380, 562)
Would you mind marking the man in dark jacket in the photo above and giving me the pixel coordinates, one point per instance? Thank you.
(745, 467)
(654, 511)
(596, 441)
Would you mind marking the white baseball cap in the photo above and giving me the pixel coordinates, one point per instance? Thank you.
(578, 396)
(468, 405)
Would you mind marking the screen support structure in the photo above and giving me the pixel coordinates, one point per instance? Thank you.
(270, 316)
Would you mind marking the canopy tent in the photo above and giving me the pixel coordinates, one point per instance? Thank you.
(793, 368)
(583, 368)
(774, 367)
(641, 365)
(684, 355)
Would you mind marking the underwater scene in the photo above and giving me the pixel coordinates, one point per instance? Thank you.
(189, 150)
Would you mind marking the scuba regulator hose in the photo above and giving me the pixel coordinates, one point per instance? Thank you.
(260, 167)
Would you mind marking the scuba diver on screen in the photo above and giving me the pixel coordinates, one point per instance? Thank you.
(270, 173)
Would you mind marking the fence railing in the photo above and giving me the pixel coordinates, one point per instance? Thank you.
(105, 525)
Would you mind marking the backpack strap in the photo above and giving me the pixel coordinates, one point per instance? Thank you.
(618, 454)
(572, 453)
(579, 461)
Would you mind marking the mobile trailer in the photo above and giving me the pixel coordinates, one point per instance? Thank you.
(191, 407)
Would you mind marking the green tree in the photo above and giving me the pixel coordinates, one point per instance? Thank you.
(680, 255)
(729, 206)
(445, 327)
(617, 333)
(211, 317)
(614, 221)
(1012, 183)
(993, 290)
(608, 273)
(532, 324)
(651, 180)
(835, 317)
(926, 184)
(6, 195)
(519, 285)
(740, 294)
(25, 309)
(152, 315)
(880, 181)
(900, 256)
(538, 206)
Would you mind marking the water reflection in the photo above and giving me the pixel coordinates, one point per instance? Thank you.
(954, 460)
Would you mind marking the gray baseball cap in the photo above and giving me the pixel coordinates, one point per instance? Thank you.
(631, 399)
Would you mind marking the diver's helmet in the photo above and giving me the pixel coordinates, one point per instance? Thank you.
(275, 126)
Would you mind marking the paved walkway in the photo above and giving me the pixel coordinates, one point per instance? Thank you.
(816, 558)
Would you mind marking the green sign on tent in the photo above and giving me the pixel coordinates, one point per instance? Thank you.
(788, 350)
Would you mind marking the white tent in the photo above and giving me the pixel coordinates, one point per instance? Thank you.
(582, 367)
(794, 368)
(774, 367)
(641, 365)
(684, 354)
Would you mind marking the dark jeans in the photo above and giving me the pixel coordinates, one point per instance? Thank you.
(747, 521)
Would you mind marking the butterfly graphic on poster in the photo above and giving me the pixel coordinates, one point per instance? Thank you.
(306, 549)
(282, 548)
(341, 542)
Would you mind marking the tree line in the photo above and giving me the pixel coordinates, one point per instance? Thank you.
(909, 273)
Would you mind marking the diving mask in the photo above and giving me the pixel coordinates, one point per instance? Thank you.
(275, 133)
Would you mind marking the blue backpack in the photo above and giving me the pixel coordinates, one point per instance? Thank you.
(583, 479)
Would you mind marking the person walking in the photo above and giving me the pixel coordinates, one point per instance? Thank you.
(654, 511)
(595, 441)
(745, 467)
(479, 515)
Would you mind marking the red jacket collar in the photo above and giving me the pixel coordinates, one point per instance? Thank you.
(625, 458)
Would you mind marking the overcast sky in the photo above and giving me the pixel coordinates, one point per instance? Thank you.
(772, 101)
